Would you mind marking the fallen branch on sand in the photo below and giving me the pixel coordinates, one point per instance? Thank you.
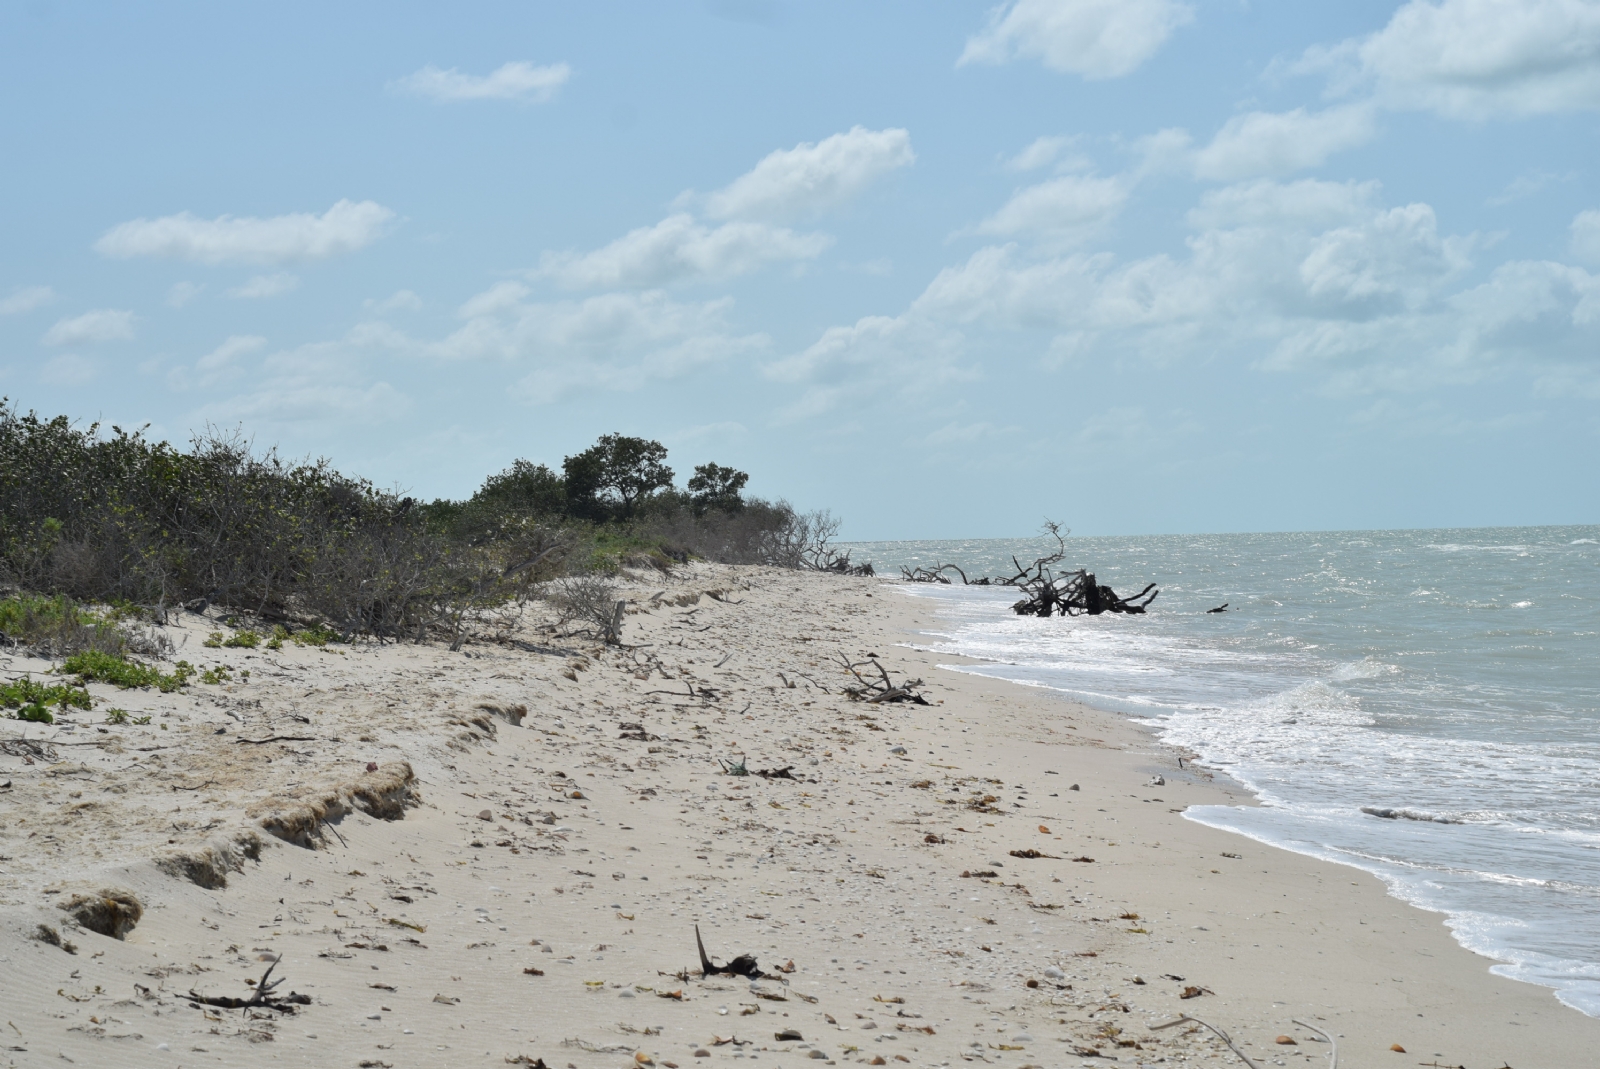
(876, 691)
(1334, 1063)
(744, 965)
(1220, 1033)
(262, 999)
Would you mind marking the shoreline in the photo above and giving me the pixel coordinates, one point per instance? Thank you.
(558, 847)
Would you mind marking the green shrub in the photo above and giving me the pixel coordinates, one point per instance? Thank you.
(243, 640)
(320, 635)
(57, 625)
(216, 676)
(24, 692)
(116, 716)
(37, 713)
(119, 672)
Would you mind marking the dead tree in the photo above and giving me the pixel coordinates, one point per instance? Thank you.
(934, 574)
(1072, 593)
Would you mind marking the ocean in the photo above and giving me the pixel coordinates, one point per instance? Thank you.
(1450, 678)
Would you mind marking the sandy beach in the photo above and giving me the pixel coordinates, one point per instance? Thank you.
(501, 855)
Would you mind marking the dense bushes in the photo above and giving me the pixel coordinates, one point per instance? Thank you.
(118, 519)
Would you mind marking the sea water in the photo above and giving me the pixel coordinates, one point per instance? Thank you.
(1451, 678)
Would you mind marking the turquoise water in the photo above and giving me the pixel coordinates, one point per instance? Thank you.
(1452, 676)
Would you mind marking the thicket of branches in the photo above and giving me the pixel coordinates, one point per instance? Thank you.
(117, 518)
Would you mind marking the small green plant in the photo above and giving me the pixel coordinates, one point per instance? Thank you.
(37, 713)
(120, 672)
(141, 720)
(243, 640)
(279, 633)
(26, 691)
(216, 676)
(116, 716)
(319, 635)
(213, 641)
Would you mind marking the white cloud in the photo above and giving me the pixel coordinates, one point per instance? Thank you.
(513, 81)
(613, 341)
(1275, 143)
(1586, 236)
(1093, 38)
(346, 227)
(317, 385)
(1307, 203)
(678, 249)
(181, 293)
(104, 324)
(1309, 277)
(26, 299)
(263, 286)
(1042, 151)
(398, 301)
(1062, 210)
(226, 354)
(810, 178)
(1474, 59)
(219, 365)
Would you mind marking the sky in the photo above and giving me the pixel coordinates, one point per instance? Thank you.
(945, 269)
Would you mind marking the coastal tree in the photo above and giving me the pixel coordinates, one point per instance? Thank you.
(716, 487)
(617, 471)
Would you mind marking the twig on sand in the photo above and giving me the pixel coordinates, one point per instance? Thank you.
(1334, 1062)
(280, 738)
(743, 965)
(1220, 1033)
(263, 997)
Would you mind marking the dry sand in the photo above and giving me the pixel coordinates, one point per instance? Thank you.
(495, 891)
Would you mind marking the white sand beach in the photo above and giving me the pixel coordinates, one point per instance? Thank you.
(453, 888)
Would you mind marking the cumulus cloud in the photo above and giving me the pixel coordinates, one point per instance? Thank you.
(26, 299)
(103, 324)
(1063, 210)
(612, 341)
(1092, 38)
(1310, 277)
(812, 177)
(1585, 232)
(346, 227)
(1476, 59)
(1277, 143)
(320, 384)
(1307, 203)
(513, 81)
(1043, 150)
(263, 286)
(398, 301)
(229, 351)
(678, 249)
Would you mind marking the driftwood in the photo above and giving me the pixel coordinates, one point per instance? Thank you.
(744, 965)
(881, 690)
(1047, 593)
(1220, 1033)
(831, 560)
(262, 999)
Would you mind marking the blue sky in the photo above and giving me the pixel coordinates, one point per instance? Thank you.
(944, 268)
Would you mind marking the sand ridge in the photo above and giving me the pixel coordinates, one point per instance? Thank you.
(531, 891)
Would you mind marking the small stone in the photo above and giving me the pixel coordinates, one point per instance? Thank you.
(1054, 973)
(485, 815)
(816, 1054)
(701, 1052)
(1287, 1041)
(1397, 1048)
(897, 749)
(1073, 787)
